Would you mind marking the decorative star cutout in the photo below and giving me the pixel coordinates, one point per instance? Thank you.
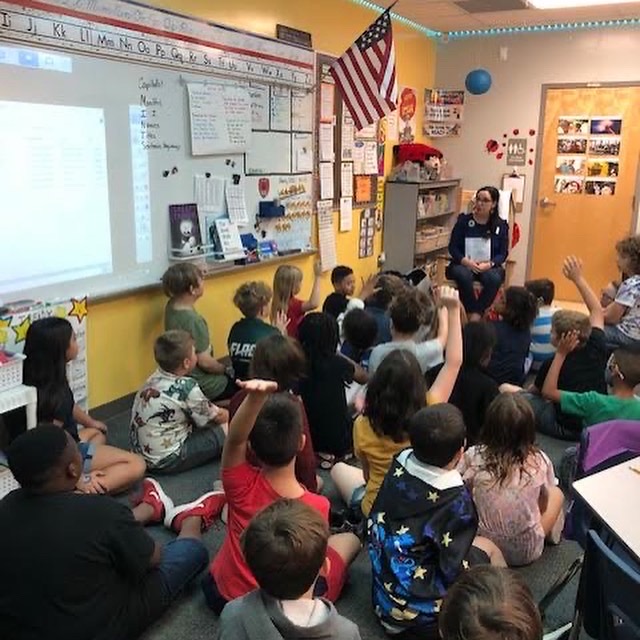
(398, 472)
(381, 518)
(5, 323)
(21, 329)
(433, 496)
(79, 309)
(402, 530)
(447, 539)
(419, 573)
(465, 565)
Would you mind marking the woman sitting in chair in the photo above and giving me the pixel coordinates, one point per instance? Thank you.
(479, 246)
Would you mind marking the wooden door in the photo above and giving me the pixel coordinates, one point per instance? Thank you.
(590, 147)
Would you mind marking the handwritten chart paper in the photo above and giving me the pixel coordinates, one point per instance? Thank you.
(280, 109)
(346, 179)
(326, 236)
(346, 214)
(259, 94)
(220, 119)
(302, 111)
(326, 180)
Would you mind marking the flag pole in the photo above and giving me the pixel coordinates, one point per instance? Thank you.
(393, 4)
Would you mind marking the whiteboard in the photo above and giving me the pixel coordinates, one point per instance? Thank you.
(147, 118)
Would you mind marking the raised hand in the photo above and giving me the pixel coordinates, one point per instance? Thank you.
(572, 268)
(261, 387)
(568, 342)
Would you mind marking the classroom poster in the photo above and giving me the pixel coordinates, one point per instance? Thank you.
(367, 233)
(407, 111)
(443, 113)
(588, 151)
(14, 325)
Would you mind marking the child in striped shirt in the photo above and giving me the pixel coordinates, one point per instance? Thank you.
(541, 348)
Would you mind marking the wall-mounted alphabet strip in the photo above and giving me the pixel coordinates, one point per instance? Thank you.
(151, 36)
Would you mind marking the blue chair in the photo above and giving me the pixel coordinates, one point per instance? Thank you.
(609, 593)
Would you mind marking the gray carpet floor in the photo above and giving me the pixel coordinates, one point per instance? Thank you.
(190, 618)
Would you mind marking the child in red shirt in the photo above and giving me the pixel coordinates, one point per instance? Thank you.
(272, 424)
(287, 283)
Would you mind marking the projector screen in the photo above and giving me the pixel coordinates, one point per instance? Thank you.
(55, 195)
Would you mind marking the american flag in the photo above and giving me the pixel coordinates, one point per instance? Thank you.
(366, 74)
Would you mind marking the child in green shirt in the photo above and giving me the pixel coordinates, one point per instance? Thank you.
(183, 284)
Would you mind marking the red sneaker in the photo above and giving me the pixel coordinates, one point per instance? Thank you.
(208, 507)
(154, 495)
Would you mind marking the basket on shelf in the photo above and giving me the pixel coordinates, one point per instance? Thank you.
(11, 370)
(431, 239)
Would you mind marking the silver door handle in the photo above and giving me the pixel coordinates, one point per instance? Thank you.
(545, 202)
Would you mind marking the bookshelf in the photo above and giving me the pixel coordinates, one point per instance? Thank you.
(418, 218)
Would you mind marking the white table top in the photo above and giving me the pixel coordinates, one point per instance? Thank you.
(17, 397)
(614, 495)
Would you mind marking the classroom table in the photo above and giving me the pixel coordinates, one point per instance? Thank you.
(21, 396)
(614, 496)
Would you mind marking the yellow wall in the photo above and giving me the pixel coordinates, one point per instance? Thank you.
(121, 332)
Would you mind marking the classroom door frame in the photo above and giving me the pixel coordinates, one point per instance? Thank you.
(538, 161)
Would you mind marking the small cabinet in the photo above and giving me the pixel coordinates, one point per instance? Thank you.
(418, 218)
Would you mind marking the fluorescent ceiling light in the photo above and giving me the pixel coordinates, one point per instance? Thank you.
(567, 4)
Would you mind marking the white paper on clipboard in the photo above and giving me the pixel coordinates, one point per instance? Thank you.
(478, 249)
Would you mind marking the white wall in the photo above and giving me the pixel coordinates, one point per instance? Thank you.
(513, 102)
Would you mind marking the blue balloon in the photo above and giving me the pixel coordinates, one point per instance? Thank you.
(478, 81)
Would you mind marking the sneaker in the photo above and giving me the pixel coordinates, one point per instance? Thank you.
(208, 507)
(153, 494)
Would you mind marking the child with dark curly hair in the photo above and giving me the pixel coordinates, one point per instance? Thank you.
(622, 315)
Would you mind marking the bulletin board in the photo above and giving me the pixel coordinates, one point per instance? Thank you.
(140, 66)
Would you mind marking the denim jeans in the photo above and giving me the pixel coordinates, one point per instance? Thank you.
(464, 278)
(546, 420)
(181, 561)
(616, 339)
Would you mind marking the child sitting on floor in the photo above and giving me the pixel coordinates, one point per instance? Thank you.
(583, 369)
(541, 350)
(253, 300)
(49, 346)
(513, 337)
(622, 316)
(395, 393)
(593, 407)
(287, 283)
(183, 284)
(474, 388)
(173, 425)
(324, 385)
(377, 304)
(273, 426)
(410, 311)
(490, 602)
(422, 526)
(344, 285)
(513, 483)
(285, 547)
(280, 358)
(359, 331)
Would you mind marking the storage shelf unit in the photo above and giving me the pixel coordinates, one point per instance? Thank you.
(418, 218)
